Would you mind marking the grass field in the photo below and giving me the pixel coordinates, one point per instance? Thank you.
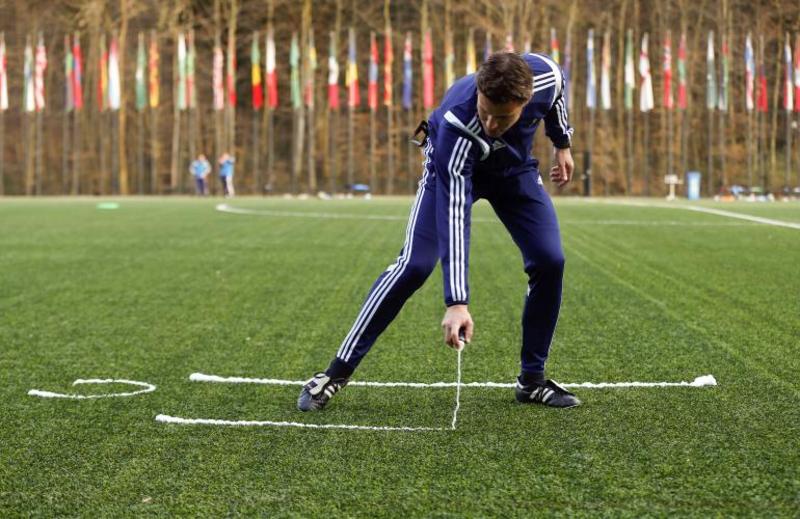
(162, 288)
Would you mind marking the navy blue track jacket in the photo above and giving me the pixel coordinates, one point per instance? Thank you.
(462, 149)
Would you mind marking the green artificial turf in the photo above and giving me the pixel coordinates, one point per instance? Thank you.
(161, 288)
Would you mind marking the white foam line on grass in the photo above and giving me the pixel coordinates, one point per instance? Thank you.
(458, 390)
(148, 388)
(225, 208)
(705, 380)
(267, 423)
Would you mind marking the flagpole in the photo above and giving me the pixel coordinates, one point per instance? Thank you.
(76, 136)
(114, 151)
(39, 152)
(310, 112)
(710, 154)
(65, 134)
(631, 151)
(788, 146)
(299, 117)
(646, 165)
(256, 152)
(176, 128)
(332, 114)
(269, 59)
(231, 111)
(723, 107)
(39, 91)
(372, 109)
(270, 149)
(2, 151)
(388, 95)
(219, 98)
(65, 152)
(669, 141)
(114, 115)
(254, 121)
(28, 131)
(332, 129)
(411, 149)
(350, 113)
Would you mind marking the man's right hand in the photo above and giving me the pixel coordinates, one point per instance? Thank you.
(456, 319)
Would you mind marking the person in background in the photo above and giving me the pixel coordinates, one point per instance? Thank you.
(226, 161)
(200, 168)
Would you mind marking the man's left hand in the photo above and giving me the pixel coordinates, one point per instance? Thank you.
(561, 172)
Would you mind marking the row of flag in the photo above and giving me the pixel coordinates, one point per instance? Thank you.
(265, 88)
(717, 78)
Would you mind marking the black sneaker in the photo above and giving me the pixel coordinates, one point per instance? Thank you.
(318, 391)
(549, 394)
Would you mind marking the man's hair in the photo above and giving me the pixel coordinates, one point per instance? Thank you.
(505, 77)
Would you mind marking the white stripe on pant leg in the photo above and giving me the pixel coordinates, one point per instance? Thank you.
(377, 296)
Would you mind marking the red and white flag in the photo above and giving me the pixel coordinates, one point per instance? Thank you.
(272, 76)
(3, 75)
(669, 102)
(38, 78)
(219, 91)
(788, 87)
(388, 60)
(427, 71)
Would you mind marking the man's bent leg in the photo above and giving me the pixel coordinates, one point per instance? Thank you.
(526, 210)
(395, 285)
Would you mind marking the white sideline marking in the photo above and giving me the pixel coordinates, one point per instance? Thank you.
(148, 388)
(266, 423)
(700, 209)
(741, 216)
(705, 380)
(225, 208)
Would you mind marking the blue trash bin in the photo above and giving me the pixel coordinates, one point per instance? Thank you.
(693, 185)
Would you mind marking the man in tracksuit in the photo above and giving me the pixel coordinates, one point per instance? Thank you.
(478, 146)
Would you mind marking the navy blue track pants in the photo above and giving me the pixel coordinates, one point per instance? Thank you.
(524, 207)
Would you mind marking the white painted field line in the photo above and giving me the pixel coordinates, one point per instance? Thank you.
(705, 380)
(700, 209)
(742, 216)
(148, 388)
(266, 423)
(225, 208)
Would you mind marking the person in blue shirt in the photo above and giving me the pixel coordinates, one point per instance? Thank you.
(226, 162)
(200, 168)
(478, 145)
